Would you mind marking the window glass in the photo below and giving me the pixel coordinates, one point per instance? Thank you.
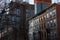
(17, 11)
(51, 23)
(39, 9)
(54, 22)
(47, 15)
(51, 13)
(36, 27)
(54, 11)
(40, 27)
(31, 24)
(27, 10)
(53, 33)
(47, 25)
(40, 19)
(34, 22)
(37, 20)
(13, 18)
(45, 6)
(17, 19)
(27, 15)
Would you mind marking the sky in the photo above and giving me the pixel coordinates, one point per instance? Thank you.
(55, 1)
(30, 1)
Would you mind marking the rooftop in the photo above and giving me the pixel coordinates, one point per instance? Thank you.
(43, 11)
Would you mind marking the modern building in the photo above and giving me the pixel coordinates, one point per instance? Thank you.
(41, 5)
(46, 24)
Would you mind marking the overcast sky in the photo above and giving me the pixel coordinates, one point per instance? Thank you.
(55, 1)
(32, 1)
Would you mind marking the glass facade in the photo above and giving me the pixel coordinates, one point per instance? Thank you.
(39, 7)
(45, 6)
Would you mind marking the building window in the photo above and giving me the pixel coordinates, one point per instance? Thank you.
(27, 10)
(37, 27)
(17, 19)
(47, 15)
(53, 14)
(36, 21)
(50, 14)
(44, 25)
(40, 19)
(17, 11)
(38, 7)
(45, 6)
(27, 15)
(53, 34)
(54, 22)
(51, 23)
(40, 27)
(31, 23)
(47, 25)
(13, 18)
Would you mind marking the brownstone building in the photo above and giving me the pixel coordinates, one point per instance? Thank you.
(46, 24)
